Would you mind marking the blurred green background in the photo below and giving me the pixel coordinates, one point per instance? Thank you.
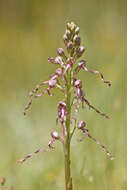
(30, 32)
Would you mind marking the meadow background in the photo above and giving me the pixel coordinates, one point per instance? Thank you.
(30, 32)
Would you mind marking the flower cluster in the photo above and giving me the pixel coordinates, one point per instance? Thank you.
(66, 73)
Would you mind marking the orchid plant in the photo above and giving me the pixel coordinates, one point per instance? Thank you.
(66, 80)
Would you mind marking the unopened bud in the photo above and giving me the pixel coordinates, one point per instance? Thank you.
(81, 125)
(55, 135)
(69, 46)
(80, 51)
(68, 34)
(51, 60)
(71, 26)
(77, 30)
(60, 51)
(77, 40)
(65, 39)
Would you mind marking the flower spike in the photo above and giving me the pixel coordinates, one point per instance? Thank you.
(65, 79)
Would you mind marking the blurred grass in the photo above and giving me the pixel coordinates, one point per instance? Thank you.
(30, 32)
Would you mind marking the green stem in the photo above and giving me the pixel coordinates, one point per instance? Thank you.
(68, 178)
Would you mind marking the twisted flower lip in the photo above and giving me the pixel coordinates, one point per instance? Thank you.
(82, 127)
